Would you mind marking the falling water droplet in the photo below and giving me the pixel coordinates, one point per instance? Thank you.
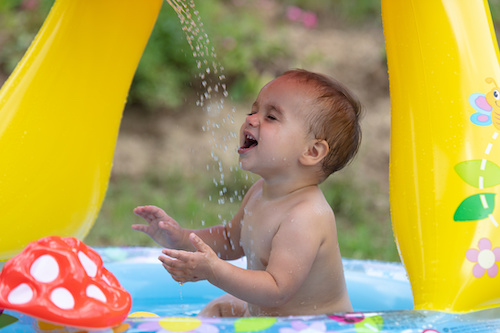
(211, 74)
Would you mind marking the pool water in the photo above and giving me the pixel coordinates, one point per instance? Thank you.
(372, 285)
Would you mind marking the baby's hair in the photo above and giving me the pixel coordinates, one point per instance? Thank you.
(334, 118)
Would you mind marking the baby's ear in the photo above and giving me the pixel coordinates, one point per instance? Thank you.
(315, 152)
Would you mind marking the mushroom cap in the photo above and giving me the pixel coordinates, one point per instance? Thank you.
(63, 281)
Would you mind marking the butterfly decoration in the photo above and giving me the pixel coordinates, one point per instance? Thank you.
(487, 106)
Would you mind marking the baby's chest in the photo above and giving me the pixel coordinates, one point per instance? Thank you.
(257, 233)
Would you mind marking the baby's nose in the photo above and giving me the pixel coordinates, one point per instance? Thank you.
(253, 119)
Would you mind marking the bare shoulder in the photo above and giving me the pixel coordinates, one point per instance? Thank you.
(311, 208)
(256, 187)
(312, 201)
(252, 191)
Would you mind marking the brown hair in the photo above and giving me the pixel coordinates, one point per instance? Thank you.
(334, 118)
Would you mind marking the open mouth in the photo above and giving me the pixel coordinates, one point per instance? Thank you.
(249, 143)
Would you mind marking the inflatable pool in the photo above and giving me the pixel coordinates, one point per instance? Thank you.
(443, 64)
(380, 293)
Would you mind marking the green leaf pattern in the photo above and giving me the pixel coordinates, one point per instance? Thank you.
(6, 320)
(370, 325)
(475, 207)
(480, 174)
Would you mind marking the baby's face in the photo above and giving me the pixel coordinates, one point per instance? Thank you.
(275, 132)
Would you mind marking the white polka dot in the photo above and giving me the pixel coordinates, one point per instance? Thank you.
(94, 292)
(106, 280)
(21, 294)
(62, 298)
(45, 269)
(89, 266)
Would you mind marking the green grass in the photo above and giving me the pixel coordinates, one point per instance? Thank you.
(193, 201)
(364, 230)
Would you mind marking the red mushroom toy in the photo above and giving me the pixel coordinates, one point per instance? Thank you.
(62, 280)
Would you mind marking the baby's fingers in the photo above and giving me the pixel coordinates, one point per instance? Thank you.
(177, 275)
(166, 261)
(168, 226)
(198, 243)
(174, 267)
(143, 212)
(140, 227)
(175, 258)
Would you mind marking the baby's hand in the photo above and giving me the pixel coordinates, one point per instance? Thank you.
(163, 229)
(190, 266)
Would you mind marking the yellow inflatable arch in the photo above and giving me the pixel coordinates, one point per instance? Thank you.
(60, 113)
(445, 150)
(61, 108)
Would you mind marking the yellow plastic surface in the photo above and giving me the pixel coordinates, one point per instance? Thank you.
(60, 113)
(443, 68)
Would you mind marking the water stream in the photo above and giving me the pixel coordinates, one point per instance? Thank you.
(212, 100)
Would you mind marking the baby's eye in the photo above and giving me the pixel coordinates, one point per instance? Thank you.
(271, 117)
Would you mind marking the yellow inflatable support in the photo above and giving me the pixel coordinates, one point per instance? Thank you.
(60, 113)
(445, 150)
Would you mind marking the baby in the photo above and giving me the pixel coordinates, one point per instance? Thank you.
(303, 127)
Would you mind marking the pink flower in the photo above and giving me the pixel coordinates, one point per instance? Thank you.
(30, 4)
(485, 258)
(310, 20)
(301, 327)
(293, 13)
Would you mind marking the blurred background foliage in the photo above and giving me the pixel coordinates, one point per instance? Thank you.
(167, 72)
(168, 76)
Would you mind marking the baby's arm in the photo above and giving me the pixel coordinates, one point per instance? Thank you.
(167, 232)
(294, 248)
(164, 230)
